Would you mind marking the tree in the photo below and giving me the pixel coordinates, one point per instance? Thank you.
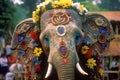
(29, 6)
(90, 6)
(112, 5)
(9, 17)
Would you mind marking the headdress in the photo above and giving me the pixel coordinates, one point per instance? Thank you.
(57, 4)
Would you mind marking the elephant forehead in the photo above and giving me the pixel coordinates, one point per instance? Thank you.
(62, 31)
(59, 17)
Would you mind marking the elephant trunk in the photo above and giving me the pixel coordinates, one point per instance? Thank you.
(64, 63)
(65, 71)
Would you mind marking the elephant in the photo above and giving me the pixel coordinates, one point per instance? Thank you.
(68, 40)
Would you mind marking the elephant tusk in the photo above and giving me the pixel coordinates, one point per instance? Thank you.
(80, 69)
(49, 70)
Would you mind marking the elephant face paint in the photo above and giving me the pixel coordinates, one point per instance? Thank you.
(60, 17)
(63, 33)
(61, 30)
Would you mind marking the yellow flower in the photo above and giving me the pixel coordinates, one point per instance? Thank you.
(48, 0)
(84, 49)
(55, 4)
(37, 10)
(101, 71)
(37, 51)
(43, 8)
(65, 3)
(35, 16)
(91, 63)
(62, 4)
(82, 7)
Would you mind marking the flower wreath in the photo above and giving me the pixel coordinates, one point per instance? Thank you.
(56, 4)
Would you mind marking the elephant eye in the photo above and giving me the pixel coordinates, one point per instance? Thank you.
(77, 38)
(46, 40)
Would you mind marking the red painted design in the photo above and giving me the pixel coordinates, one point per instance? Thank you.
(59, 17)
(102, 38)
(23, 45)
(65, 60)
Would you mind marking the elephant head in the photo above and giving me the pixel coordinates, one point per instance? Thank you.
(61, 34)
(68, 37)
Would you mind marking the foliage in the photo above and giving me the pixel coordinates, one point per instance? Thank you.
(106, 5)
(111, 5)
(29, 6)
(10, 15)
(91, 7)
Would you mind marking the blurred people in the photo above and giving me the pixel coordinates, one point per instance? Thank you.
(10, 76)
(3, 63)
(8, 50)
(114, 67)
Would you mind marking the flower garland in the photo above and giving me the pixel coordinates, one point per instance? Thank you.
(92, 60)
(55, 4)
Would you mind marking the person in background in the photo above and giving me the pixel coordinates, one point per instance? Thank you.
(114, 67)
(3, 64)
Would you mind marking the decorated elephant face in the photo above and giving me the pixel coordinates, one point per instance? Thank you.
(61, 33)
(70, 40)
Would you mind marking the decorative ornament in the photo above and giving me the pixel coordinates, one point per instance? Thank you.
(102, 38)
(101, 22)
(61, 4)
(61, 30)
(65, 60)
(60, 17)
(86, 41)
(103, 30)
(21, 37)
(21, 52)
(23, 45)
(24, 28)
(63, 51)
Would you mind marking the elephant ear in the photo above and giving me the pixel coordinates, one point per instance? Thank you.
(25, 42)
(98, 33)
(21, 36)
